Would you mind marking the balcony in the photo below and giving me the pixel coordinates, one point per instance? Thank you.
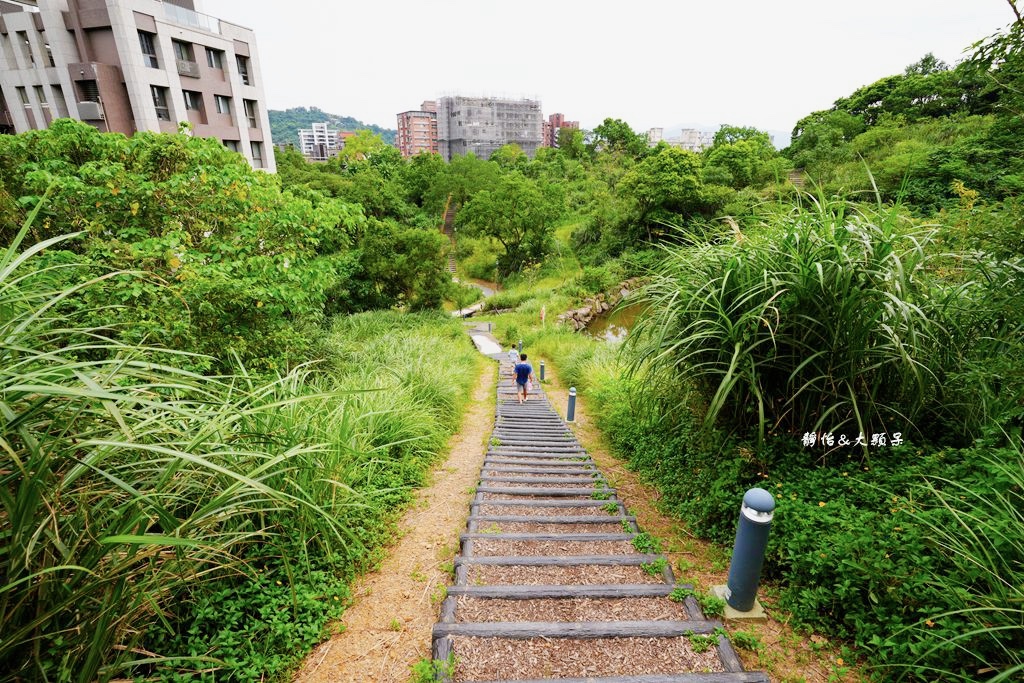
(186, 17)
(187, 68)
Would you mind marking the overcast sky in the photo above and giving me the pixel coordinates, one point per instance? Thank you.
(651, 63)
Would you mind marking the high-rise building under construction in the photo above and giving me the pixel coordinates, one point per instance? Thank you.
(481, 125)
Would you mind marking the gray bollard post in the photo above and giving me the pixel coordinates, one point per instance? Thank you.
(570, 413)
(542, 371)
(488, 327)
(748, 553)
(520, 346)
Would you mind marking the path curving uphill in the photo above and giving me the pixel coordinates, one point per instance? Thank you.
(552, 582)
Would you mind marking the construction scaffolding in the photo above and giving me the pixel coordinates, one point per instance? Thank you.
(481, 125)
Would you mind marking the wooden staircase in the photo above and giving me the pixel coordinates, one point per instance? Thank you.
(554, 581)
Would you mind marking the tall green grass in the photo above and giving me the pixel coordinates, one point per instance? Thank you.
(982, 534)
(825, 320)
(138, 500)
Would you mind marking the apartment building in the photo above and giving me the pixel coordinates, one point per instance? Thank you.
(483, 124)
(133, 65)
(689, 139)
(555, 123)
(319, 143)
(417, 130)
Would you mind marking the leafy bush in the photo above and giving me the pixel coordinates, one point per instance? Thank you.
(595, 279)
(235, 267)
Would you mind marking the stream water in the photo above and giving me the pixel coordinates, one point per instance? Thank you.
(614, 325)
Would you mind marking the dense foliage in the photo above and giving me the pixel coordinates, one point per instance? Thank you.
(234, 266)
(211, 521)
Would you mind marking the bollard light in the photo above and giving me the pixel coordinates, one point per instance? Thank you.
(570, 413)
(520, 346)
(488, 327)
(748, 553)
(542, 371)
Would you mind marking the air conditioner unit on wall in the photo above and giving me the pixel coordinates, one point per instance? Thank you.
(90, 111)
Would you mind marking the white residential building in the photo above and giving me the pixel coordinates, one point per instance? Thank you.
(319, 143)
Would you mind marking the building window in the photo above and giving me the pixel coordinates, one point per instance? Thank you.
(232, 145)
(59, 101)
(23, 95)
(215, 59)
(250, 112)
(49, 55)
(193, 100)
(243, 69)
(88, 91)
(160, 102)
(183, 51)
(26, 47)
(257, 154)
(148, 45)
(40, 95)
(223, 104)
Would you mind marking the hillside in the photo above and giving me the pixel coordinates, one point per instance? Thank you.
(285, 125)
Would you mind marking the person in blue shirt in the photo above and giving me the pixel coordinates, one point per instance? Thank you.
(523, 373)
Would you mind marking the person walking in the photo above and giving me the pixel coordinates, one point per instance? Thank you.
(513, 356)
(523, 374)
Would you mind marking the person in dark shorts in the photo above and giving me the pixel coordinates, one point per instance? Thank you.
(523, 374)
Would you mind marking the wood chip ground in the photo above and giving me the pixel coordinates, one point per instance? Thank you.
(495, 658)
(570, 609)
(488, 547)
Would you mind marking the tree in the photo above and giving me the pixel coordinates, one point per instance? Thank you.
(741, 157)
(615, 136)
(397, 266)
(570, 141)
(360, 147)
(927, 65)
(821, 141)
(520, 214)
(460, 179)
(727, 135)
(419, 174)
(229, 262)
(668, 183)
(510, 157)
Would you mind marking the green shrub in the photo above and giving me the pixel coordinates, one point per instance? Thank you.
(595, 279)
(824, 321)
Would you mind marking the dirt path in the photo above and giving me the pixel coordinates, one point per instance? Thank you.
(388, 627)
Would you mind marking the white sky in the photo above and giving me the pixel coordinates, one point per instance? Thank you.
(652, 63)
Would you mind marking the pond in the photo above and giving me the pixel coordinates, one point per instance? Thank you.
(488, 288)
(614, 325)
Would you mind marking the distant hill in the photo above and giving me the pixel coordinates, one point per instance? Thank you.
(285, 125)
